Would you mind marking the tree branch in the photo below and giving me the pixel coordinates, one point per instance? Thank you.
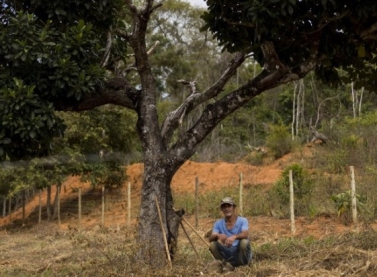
(122, 34)
(131, 6)
(126, 97)
(273, 75)
(106, 56)
(172, 120)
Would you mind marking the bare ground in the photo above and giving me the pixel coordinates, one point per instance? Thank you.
(32, 249)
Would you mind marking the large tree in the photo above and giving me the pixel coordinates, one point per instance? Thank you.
(72, 55)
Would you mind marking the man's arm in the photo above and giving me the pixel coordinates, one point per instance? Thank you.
(216, 236)
(243, 235)
(213, 237)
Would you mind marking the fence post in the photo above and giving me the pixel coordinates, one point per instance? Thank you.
(353, 195)
(23, 206)
(80, 208)
(40, 206)
(129, 205)
(196, 201)
(4, 206)
(292, 202)
(10, 208)
(58, 188)
(241, 192)
(103, 206)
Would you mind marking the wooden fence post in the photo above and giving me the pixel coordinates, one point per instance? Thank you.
(40, 206)
(129, 205)
(241, 193)
(23, 206)
(80, 208)
(10, 208)
(58, 188)
(196, 201)
(103, 207)
(292, 202)
(353, 195)
(4, 206)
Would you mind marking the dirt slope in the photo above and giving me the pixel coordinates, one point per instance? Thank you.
(212, 176)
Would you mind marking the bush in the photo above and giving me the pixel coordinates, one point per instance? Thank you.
(302, 187)
(279, 141)
(343, 203)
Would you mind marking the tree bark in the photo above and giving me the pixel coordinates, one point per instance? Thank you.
(157, 178)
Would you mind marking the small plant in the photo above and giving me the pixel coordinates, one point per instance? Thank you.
(343, 202)
(302, 187)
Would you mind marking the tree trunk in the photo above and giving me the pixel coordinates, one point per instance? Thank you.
(157, 178)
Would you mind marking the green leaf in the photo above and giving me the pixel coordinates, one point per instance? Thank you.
(290, 10)
(6, 141)
(15, 46)
(60, 11)
(32, 134)
(81, 24)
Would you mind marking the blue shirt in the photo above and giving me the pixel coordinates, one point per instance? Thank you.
(241, 225)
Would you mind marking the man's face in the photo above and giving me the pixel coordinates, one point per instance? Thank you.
(227, 209)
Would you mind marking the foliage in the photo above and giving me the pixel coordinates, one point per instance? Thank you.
(343, 202)
(342, 40)
(302, 188)
(351, 142)
(28, 123)
(106, 173)
(279, 141)
(37, 173)
(93, 131)
(45, 55)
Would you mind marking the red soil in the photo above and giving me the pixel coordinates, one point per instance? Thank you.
(211, 176)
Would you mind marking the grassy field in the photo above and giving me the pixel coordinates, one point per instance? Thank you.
(44, 250)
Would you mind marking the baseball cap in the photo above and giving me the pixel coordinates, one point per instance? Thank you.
(227, 200)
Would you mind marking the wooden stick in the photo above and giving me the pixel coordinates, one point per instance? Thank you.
(188, 237)
(184, 220)
(163, 232)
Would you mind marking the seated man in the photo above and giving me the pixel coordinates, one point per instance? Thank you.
(230, 236)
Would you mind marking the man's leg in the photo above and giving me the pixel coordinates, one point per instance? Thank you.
(244, 252)
(214, 247)
(222, 253)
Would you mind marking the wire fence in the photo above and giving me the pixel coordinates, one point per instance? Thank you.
(89, 207)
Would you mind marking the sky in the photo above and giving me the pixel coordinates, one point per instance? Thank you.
(199, 3)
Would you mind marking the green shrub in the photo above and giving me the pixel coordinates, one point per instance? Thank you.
(343, 203)
(256, 158)
(302, 187)
(279, 141)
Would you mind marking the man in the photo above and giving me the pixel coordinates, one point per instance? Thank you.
(230, 236)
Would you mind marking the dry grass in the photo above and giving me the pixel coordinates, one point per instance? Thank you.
(44, 250)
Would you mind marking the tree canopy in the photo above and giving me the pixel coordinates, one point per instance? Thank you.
(52, 55)
(333, 34)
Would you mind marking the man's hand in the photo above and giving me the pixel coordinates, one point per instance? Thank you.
(222, 238)
(229, 241)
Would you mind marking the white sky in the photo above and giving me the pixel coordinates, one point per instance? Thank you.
(199, 3)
